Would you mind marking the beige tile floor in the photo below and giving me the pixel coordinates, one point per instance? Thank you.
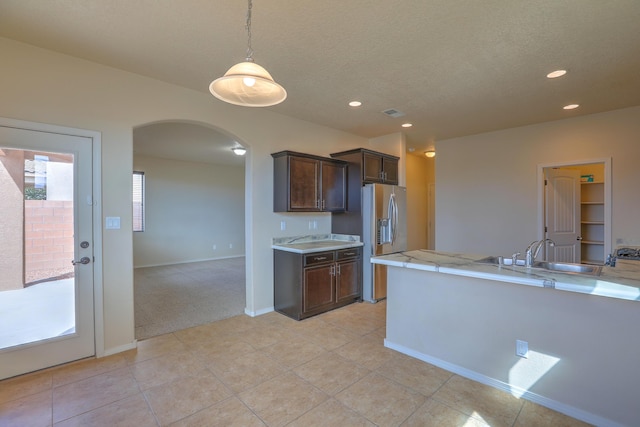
(329, 370)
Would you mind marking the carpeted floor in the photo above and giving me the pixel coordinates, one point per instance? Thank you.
(174, 297)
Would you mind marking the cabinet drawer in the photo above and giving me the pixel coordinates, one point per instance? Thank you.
(319, 258)
(348, 253)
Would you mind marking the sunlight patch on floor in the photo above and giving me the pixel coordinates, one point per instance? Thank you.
(526, 372)
(36, 313)
(473, 420)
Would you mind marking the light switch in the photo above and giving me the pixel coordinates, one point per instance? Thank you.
(112, 223)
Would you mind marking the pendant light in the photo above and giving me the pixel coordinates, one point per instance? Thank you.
(247, 83)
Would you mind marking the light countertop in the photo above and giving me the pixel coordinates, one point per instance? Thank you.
(315, 243)
(622, 281)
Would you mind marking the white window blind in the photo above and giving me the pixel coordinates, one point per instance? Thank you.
(138, 201)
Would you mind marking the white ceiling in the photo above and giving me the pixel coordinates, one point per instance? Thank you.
(455, 67)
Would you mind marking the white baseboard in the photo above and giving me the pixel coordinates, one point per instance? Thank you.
(189, 262)
(258, 312)
(571, 411)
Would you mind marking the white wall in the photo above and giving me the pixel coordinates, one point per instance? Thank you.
(189, 207)
(43, 86)
(486, 184)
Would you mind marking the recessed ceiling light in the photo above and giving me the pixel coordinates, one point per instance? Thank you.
(430, 153)
(571, 106)
(556, 74)
(355, 103)
(407, 125)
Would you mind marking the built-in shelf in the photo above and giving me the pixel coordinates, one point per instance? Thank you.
(592, 242)
(592, 222)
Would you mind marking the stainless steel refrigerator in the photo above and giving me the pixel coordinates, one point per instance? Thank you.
(384, 231)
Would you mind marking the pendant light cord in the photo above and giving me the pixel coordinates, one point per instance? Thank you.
(248, 27)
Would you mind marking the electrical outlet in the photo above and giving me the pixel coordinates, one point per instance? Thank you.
(215, 247)
(315, 225)
(522, 349)
(230, 245)
(310, 225)
(283, 225)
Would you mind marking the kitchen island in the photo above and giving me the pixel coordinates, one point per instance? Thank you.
(583, 356)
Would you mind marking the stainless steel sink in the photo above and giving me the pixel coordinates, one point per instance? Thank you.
(565, 267)
(560, 267)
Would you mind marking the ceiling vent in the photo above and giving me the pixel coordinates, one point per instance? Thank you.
(392, 112)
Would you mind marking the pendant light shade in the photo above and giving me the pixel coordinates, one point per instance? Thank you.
(249, 85)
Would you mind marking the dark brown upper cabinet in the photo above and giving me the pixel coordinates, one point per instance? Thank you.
(307, 183)
(371, 166)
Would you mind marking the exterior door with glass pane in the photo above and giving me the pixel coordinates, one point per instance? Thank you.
(46, 250)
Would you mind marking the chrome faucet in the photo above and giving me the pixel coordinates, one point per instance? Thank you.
(533, 249)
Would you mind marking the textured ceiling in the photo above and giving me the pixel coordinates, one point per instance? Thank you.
(455, 67)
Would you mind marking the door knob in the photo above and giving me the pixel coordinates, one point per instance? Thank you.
(579, 238)
(83, 260)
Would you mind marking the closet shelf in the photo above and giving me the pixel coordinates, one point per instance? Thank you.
(592, 242)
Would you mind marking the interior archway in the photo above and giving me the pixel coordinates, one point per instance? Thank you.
(189, 262)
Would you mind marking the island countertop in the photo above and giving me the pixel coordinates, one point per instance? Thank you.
(622, 281)
(315, 243)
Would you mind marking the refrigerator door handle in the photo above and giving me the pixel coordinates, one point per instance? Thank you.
(395, 220)
(392, 217)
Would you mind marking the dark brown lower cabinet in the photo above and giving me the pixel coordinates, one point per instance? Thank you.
(310, 284)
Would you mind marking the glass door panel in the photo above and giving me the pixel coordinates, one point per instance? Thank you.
(46, 297)
(37, 298)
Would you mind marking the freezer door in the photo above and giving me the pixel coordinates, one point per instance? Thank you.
(389, 219)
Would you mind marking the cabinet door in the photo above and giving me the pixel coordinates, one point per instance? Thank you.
(304, 180)
(348, 280)
(334, 187)
(319, 290)
(390, 170)
(371, 167)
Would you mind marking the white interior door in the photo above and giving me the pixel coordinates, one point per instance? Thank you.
(46, 301)
(562, 213)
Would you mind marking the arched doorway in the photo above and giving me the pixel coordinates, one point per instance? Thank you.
(189, 252)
